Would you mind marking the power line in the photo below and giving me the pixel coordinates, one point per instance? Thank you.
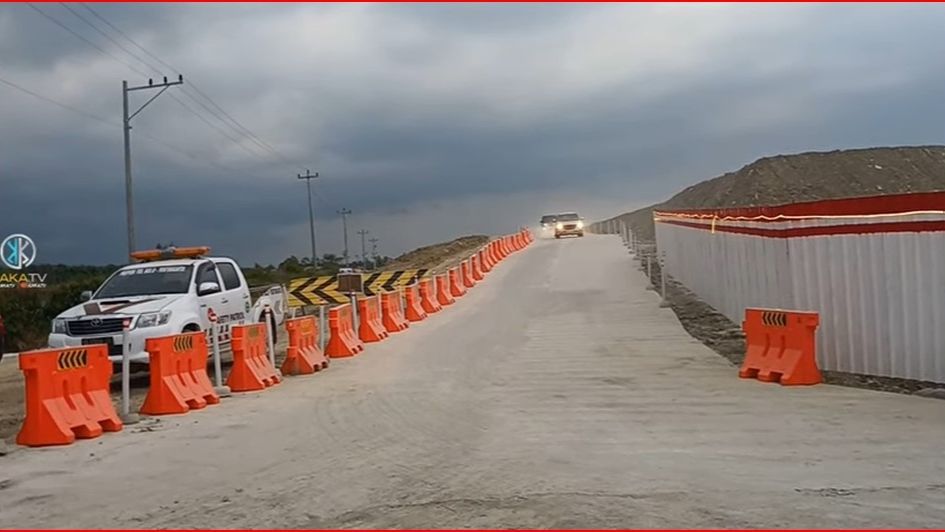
(251, 136)
(217, 110)
(106, 35)
(108, 122)
(83, 39)
(156, 70)
(59, 104)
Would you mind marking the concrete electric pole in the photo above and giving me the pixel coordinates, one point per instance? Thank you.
(364, 259)
(126, 121)
(344, 224)
(308, 177)
(374, 242)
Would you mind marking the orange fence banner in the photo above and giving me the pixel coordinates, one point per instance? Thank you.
(371, 329)
(66, 395)
(456, 283)
(781, 346)
(428, 299)
(392, 312)
(413, 310)
(443, 296)
(303, 356)
(342, 342)
(178, 372)
(251, 370)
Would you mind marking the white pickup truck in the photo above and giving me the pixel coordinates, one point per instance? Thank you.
(169, 292)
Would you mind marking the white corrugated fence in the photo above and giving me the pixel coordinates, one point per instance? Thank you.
(874, 268)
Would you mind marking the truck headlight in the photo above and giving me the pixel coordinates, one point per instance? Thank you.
(153, 319)
(59, 326)
(580, 224)
(559, 225)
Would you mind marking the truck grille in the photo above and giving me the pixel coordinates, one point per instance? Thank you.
(94, 326)
(569, 227)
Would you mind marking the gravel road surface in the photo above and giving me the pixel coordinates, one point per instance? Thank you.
(555, 394)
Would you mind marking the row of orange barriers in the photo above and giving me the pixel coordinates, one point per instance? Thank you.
(67, 390)
(388, 313)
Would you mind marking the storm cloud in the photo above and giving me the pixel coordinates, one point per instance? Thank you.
(430, 121)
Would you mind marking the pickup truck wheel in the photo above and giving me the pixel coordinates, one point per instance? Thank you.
(191, 327)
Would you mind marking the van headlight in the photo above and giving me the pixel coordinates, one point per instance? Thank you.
(559, 225)
(153, 319)
(59, 326)
(580, 224)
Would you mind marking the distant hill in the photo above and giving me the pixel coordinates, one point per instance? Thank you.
(439, 255)
(806, 177)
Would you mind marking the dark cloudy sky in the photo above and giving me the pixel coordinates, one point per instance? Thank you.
(431, 121)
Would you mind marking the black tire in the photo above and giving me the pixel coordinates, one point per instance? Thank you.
(190, 327)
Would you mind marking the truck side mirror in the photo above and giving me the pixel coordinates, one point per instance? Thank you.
(85, 295)
(208, 288)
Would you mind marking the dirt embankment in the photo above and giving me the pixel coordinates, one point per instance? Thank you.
(438, 257)
(808, 177)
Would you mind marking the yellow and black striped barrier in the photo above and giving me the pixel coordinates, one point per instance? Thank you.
(73, 358)
(774, 319)
(183, 343)
(323, 290)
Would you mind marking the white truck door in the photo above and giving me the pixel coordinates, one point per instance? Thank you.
(213, 300)
(235, 294)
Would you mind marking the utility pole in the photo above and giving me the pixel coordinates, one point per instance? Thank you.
(363, 233)
(344, 224)
(308, 177)
(373, 242)
(126, 121)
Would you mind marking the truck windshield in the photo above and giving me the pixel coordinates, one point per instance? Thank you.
(568, 217)
(548, 218)
(146, 281)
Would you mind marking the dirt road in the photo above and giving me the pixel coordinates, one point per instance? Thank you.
(555, 394)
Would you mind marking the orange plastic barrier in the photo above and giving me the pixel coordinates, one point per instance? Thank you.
(474, 268)
(494, 252)
(66, 395)
(342, 342)
(303, 356)
(484, 263)
(465, 274)
(392, 312)
(428, 299)
(179, 380)
(443, 296)
(503, 248)
(251, 370)
(413, 310)
(780, 346)
(371, 328)
(456, 283)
